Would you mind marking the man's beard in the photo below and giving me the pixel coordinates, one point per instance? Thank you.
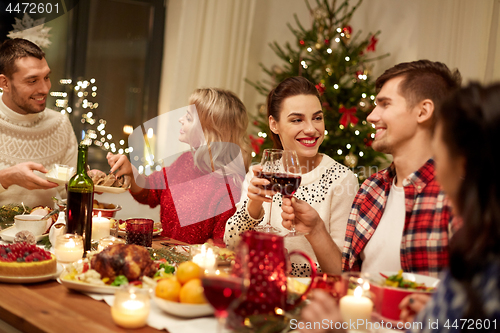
(24, 104)
(381, 147)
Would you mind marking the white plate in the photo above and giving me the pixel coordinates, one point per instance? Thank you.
(108, 189)
(56, 180)
(86, 287)
(184, 310)
(429, 281)
(32, 279)
(9, 234)
(97, 188)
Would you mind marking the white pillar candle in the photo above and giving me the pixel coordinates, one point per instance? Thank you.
(356, 309)
(130, 309)
(69, 248)
(100, 227)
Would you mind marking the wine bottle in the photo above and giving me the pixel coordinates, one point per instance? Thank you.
(80, 200)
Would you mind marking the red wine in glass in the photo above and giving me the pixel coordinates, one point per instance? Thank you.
(221, 292)
(269, 177)
(287, 183)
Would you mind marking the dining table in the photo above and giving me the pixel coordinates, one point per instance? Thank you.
(50, 307)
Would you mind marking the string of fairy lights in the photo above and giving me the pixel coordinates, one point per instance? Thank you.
(85, 92)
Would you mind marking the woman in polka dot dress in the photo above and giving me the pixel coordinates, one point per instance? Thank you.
(296, 121)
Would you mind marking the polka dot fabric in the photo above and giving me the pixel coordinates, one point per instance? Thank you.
(329, 188)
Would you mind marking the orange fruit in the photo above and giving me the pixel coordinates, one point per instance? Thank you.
(168, 289)
(188, 270)
(192, 292)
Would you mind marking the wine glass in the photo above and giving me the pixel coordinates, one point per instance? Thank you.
(270, 165)
(288, 180)
(225, 285)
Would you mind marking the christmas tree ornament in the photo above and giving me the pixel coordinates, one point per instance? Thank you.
(373, 43)
(365, 104)
(321, 88)
(350, 160)
(348, 116)
(32, 30)
(318, 46)
(262, 109)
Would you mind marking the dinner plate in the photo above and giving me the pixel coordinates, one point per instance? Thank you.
(32, 279)
(109, 189)
(97, 188)
(429, 281)
(184, 310)
(86, 287)
(56, 180)
(9, 234)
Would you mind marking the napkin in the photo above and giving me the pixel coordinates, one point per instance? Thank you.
(162, 321)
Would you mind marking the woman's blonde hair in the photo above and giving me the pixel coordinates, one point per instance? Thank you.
(224, 122)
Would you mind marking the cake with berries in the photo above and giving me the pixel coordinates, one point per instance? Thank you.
(24, 260)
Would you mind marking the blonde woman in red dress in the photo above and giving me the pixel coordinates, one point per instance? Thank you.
(197, 193)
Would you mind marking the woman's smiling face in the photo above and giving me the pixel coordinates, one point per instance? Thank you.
(301, 126)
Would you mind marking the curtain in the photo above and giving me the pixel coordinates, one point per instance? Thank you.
(206, 45)
(463, 34)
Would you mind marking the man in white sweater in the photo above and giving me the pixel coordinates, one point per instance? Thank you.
(32, 137)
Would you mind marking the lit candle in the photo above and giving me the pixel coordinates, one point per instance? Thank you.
(205, 258)
(356, 309)
(107, 241)
(130, 308)
(69, 248)
(100, 227)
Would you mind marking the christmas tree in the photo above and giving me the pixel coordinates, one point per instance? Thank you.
(338, 61)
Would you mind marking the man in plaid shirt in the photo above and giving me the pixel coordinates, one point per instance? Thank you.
(400, 218)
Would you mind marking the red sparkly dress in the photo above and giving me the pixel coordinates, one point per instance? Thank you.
(194, 205)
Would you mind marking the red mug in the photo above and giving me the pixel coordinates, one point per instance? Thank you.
(267, 267)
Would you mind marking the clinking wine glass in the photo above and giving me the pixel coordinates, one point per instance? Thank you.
(225, 285)
(288, 180)
(270, 165)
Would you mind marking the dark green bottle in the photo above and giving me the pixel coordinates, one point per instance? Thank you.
(80, 199)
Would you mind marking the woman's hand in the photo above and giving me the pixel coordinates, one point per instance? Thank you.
(256, 194)
(323, 308)
(411, 305)
(306, 218)
(120, 164)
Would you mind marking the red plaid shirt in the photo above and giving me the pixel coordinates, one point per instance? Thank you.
(428, 224)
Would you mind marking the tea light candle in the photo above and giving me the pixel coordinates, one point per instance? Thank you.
(205, 258)
(130, 308)
(107, 241)
(100, 227)
(69, 248)
(356, 307)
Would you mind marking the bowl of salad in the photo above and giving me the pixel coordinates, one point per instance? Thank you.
(391, 287)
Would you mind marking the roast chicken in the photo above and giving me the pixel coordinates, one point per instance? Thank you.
(102, 179)
(130, 260)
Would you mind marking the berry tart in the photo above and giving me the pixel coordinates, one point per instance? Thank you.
(24, 260)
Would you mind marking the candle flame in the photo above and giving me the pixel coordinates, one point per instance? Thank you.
(132, 304)
(358, 292)
(70, 243)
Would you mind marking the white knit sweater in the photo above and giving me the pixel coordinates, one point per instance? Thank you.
(330, 189)
(46, 138)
